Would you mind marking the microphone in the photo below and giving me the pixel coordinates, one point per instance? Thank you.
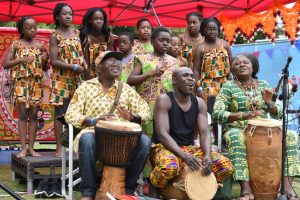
(146, 9)
(290, 58)
(275, 94)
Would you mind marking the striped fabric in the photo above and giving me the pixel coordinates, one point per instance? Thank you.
(167, 165)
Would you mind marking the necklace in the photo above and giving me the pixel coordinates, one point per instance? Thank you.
(251, 93)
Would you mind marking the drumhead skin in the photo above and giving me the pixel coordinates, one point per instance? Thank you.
(120, 126)
(199, 187)
(265, 122)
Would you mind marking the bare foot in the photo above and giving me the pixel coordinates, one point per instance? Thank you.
(33, 153)
(58, 152)
(86, 198)
(22, 154)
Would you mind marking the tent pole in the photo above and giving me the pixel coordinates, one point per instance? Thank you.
(156, 16)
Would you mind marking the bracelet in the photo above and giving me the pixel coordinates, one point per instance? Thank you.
(92, 121)
(241, 115)
(75, 67)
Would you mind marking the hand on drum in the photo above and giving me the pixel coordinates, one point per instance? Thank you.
(125, 114)
(106, 117)
(192, 162)
(206, 162)
(252, 114)
(267, 95)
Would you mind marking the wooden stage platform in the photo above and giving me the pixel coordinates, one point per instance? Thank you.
(26, 166)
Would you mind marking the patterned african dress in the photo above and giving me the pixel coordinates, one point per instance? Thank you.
(142, 48)
(215, 71)
(27, 77)
(151, 88)
(234, 99)
(92, 51)
(187, 52)
(63, 81)
(127, 66)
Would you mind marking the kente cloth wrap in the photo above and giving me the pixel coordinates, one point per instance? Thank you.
(167, 165)
(151, 88)
(232, 98)
(187, 52)
(27, 77)
(64, 81)
(215, 71)
(93, 50)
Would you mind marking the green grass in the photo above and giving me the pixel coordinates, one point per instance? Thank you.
(6, 179)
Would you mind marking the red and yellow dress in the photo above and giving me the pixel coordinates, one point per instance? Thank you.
(215, 71)
(93, 50)
(64, 82)
(27, 77)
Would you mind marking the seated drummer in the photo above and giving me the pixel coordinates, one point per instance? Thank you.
(92, 102)
(177, 116)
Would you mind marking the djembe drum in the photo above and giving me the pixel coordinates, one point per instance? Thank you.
(116, 142)
(263, 143)
(191, 185)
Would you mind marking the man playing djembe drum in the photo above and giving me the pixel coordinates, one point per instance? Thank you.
(92, 102)
(178, 116)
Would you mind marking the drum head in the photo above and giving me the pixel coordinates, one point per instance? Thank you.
(120, 126)
(199, 187)
(265, 122)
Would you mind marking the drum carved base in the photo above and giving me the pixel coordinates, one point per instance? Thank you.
(113, 182)
(264, 159)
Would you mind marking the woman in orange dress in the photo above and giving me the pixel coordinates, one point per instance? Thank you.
(212, 60)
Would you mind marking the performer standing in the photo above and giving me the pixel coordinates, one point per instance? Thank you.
(152, 74)
(177, 116)
(125, 40)
(92, 102)
(246, 98)
(191, 38)
(143, 44)
(212, 60)
(27, 58)
(95, 37)
(174, 50)
(67, 62)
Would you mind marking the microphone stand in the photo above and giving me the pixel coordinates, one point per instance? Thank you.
(285, 75)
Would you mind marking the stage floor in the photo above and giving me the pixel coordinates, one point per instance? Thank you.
(6, 179)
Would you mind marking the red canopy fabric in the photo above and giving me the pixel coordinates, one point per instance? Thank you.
(171, 13)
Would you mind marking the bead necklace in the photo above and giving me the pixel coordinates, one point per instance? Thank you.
(251, 93)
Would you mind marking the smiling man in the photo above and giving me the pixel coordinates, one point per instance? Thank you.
(179, 117)
(92, 102)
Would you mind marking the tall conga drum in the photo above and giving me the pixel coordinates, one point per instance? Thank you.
(191, 185)
(116, 142)
(264, 151)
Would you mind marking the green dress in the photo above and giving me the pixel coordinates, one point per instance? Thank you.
(151, 88)
(232, 98)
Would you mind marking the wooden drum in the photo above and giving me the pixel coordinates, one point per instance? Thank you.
(116, 142)
(263, 143)
(191, 185)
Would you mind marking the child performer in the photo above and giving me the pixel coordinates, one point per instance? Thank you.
(27, 58)
(67, 61)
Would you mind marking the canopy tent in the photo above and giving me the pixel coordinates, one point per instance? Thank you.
(171, 13)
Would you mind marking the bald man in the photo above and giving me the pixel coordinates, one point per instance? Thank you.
(179, 116)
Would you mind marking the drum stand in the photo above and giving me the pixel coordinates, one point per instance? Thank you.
(285, 75)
